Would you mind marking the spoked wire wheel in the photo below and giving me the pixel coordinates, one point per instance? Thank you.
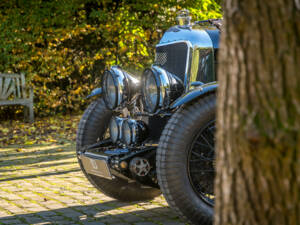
(185, 160)
(201, 160)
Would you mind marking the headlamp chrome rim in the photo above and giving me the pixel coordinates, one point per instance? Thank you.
(107, 100)
(137, 130)
(125, 86)
(127, 130)
(167, 85)
(144, 88)
(118, 122)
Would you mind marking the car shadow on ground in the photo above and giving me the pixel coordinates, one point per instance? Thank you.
(24, 162)
(101, 213)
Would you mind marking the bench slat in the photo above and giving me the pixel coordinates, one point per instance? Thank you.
(1, 87)
(9, 75)
(18, 88)
(15, 87)
(23, 85)
(15, 102)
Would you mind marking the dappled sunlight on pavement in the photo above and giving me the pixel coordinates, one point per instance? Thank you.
(43, 184)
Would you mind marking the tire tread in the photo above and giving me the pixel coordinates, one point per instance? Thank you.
(166, 161)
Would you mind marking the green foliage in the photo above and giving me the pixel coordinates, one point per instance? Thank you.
(63, 46)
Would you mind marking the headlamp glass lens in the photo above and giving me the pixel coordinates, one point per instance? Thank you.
(133, 132)
(114, 130)
(150, 92)
(126, 132)
(110, 90)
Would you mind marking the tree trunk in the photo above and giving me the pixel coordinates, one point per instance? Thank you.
(258, 137)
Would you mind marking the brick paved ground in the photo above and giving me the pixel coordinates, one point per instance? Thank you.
(42, 184)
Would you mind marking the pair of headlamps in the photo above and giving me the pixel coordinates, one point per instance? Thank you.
(159, 88)
(127, 131)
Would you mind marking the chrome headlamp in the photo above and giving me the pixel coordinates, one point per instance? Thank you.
(133, 131)
(118, 87)
(115, 128)
(160, 88)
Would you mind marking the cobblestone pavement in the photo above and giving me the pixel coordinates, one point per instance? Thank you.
(43, 184)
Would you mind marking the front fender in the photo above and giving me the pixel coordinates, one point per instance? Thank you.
(194, 94)
(96, 91)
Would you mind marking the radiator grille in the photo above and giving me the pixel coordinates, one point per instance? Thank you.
(206, 66)
(173, 58)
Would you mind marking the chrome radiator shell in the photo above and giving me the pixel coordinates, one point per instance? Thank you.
(189, 52)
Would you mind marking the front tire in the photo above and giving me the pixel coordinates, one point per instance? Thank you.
(185, 167)
(92, 128)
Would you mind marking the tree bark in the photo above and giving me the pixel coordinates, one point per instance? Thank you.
(258, 117)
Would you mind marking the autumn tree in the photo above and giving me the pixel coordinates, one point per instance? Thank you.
(258, 155)
(258, 147)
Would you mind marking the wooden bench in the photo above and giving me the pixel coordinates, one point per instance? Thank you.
(13, 91)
